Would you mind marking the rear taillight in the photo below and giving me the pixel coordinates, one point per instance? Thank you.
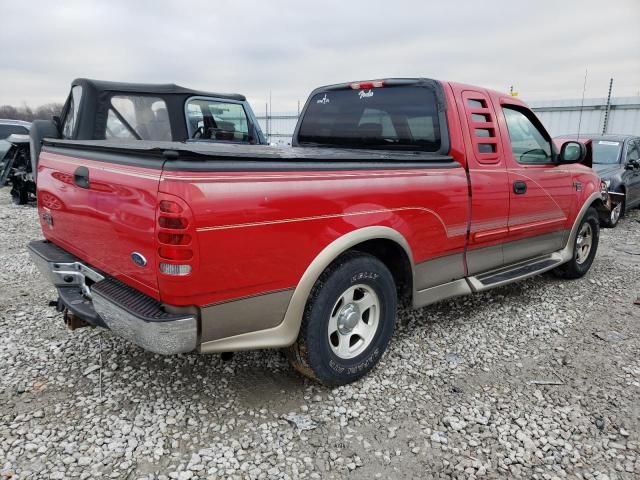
(175, 242)
(367, 85)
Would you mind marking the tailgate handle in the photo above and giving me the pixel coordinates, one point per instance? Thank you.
(81, 177)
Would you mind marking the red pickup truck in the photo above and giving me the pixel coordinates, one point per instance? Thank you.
(398, 190)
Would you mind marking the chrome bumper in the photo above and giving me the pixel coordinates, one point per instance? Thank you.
(128, 313)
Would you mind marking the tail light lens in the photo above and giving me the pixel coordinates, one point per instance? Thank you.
(177, 270)
(175, 240)
(367, 85)
(175, 253)
(167, 206)
(173, 223)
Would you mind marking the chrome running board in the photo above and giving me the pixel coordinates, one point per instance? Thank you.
(513, 273)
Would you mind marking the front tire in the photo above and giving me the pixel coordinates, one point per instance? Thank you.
(348, 321)
(585, 247)
(615, 215)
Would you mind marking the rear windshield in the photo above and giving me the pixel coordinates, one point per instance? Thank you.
(404, 118)
(605, 151)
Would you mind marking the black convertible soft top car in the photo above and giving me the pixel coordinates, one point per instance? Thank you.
(616, 158)
(122, 112)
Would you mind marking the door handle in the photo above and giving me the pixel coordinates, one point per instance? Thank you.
(81, 177)
(519, 187)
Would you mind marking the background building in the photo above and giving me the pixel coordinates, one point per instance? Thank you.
(559, 117)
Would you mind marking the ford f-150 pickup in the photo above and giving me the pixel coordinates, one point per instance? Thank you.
(398, 190)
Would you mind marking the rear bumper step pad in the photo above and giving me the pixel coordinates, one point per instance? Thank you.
(105, 301)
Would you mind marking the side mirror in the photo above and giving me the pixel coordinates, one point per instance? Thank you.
(632, 164)
(572, 152)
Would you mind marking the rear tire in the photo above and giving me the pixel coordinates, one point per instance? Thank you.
(348, 321)
(585, 247)
(20, 195)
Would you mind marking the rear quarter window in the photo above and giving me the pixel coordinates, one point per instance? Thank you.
(398, 117)
(137, 116)
(71, 120)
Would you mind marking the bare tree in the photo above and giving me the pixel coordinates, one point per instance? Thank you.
(26, 113)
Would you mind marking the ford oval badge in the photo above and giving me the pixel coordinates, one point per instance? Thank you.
(138, 259)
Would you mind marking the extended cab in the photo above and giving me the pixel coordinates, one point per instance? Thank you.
(395, 190)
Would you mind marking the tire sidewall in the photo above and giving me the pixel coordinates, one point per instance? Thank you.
(591, 218)
(368, 271)
(612, 224)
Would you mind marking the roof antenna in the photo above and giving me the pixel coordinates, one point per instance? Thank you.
(584, 88)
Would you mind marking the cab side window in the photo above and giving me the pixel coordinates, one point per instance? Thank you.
(209, 119)
(528, 143)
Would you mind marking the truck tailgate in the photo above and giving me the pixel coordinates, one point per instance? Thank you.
(102, 208)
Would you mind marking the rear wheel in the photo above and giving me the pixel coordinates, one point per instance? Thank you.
(20, 195)
(348, 321)
(585, 247)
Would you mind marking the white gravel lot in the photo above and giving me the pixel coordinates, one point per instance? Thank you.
(540, 379)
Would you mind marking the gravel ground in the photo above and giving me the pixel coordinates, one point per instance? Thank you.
(540, 379)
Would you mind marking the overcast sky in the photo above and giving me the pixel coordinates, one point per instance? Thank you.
(540, 47)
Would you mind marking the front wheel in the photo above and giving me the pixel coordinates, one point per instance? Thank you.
(585, 247)
(348, 321)
(615, 215)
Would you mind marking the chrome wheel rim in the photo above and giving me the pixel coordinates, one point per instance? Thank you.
(353, 321)
(584, 241)
(615, 213)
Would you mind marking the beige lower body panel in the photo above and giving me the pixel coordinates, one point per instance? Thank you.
(438, 271)
(224, 320)
(449, 280)
(483, 259)
(431, 295)
(533, 246)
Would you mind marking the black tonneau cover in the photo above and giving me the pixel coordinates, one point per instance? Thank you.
(200, 151)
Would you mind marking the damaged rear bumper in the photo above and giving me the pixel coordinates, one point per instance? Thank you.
(103, 301)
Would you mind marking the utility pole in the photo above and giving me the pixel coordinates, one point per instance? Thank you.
(266, 119)
(608, 108)
(584, 90)
(270, 116)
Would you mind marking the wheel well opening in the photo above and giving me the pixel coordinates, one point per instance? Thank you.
(395, 259)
